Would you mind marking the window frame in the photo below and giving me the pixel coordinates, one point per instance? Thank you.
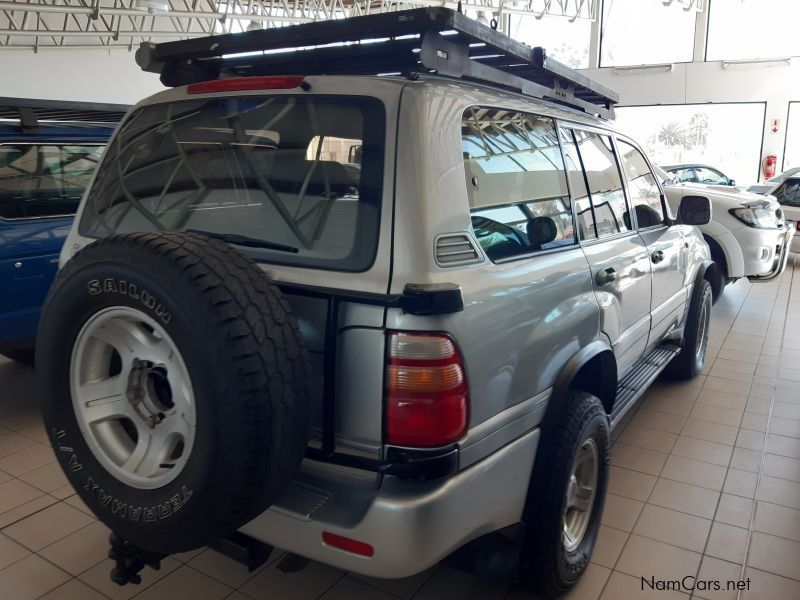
(575, 125)
(602, 36)
(533, 253)
(763, 128)
(664, 211)
(101, 145)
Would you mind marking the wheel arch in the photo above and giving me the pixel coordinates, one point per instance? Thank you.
(592, 369)
(719, 263)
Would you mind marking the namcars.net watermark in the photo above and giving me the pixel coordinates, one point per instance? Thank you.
(691, 583)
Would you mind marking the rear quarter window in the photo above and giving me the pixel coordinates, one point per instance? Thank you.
(44, 180)
(301, 172)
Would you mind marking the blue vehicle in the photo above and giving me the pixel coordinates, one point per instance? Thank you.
(48, 152)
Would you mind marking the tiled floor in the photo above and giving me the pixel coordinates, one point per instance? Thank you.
(705, 481)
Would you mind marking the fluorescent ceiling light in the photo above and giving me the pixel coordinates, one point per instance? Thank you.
(152, 5)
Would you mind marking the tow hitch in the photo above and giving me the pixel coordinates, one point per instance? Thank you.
(131, 559)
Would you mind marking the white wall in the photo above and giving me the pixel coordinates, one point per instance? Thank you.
(75, 74)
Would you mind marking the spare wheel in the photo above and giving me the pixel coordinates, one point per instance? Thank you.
(175, 386)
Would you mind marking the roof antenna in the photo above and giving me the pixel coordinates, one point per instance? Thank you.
(458, 8)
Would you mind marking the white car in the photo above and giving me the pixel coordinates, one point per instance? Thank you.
(748, 235)
(786, 190)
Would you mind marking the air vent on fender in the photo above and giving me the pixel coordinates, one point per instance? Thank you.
(455, 249)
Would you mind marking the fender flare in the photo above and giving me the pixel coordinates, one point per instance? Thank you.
(570, 370)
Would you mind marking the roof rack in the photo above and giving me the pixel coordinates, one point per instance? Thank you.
(424, 40)
(30, 113)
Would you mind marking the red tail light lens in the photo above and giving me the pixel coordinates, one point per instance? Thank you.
(797, 225)
(426, 391)
(235, 84)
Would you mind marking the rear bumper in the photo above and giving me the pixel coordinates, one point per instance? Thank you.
(410, 525)
(780, 256)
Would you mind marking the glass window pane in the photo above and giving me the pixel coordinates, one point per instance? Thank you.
(789, 193)
(302, 174)
(642, 186)
(645, 32)
(693, 133)
(577, 183)
(44, 180)
(516, 182)
(712, 176)
(746, 29)
(564, 41)
(605, 185)
(791, 154)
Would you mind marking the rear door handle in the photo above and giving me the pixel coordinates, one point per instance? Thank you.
(657, 256)
(606, 276)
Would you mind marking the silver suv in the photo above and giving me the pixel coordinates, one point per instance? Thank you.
(371, 320)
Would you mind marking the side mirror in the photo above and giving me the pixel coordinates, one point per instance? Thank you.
(731, 182)
(694, 210)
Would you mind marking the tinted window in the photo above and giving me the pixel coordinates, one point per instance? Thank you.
(304, 173)
(605, 184)
(44, 180)
(645, 195)
(516, 182)
(789, 193)
(577, 183)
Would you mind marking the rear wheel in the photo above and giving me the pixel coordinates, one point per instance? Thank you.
(692, 358)
(566, 496)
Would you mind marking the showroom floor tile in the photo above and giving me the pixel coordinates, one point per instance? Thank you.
(705, 482)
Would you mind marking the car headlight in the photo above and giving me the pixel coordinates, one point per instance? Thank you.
(759, 218)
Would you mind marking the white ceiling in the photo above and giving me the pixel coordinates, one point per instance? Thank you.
(43, 24)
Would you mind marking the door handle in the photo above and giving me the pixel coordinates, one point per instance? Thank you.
(606, 276)
(657, 256)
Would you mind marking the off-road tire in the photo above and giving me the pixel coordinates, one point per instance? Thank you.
(548, 568)
(247, 364)
(689, 363)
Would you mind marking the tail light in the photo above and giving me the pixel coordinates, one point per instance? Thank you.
(426, 390)
(235, 84)
(797, 225)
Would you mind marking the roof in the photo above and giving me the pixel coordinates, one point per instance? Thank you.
(31, 113)
(690, 165)
(425, 40)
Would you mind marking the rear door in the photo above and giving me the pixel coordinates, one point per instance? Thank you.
(617, 255)
(665, 244)
(41, 185)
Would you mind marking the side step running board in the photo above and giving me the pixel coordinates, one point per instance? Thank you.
(634, 385)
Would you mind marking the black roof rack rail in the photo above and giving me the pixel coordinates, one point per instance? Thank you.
(424, 40)
(30, 112)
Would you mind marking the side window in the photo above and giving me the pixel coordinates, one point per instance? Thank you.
(605, 184)
(685, 174)
(44, 180)
(580, 194)
(789, 192)
(516, 182)
(705, 175)
(642, 186)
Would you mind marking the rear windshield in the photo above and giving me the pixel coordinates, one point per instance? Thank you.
(300, 173)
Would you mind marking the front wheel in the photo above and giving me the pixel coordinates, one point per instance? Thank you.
(566, 496)
(692, 358)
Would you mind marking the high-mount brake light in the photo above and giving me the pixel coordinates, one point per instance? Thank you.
(426, 390)
(236, 84)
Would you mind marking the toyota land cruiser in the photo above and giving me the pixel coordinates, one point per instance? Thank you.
(366, 318)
